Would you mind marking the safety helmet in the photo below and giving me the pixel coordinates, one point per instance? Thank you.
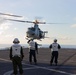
(55, 40)
(32, 39)
(16, 40)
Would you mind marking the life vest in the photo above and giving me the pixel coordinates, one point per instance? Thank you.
(16, 50)
(32, 45)
(54, 47)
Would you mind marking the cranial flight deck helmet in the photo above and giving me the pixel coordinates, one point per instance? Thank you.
(55, 40)
(16, 40)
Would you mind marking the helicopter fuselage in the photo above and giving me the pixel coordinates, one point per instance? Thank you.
(35, 32)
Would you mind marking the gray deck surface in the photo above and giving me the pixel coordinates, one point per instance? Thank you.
(66, 63)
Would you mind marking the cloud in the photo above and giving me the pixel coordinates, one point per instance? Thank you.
(5, 26)
(61, 38)
(9, 35)
(15, 28)
(73, 26)
(1, 32)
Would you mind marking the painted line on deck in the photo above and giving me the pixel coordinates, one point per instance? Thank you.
(63, 72)
(36, 67)
(10, 72)
(63, 67)
(5, 60)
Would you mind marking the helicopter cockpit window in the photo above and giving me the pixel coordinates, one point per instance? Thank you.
(32, 29)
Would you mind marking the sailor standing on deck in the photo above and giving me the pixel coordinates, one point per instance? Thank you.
(16, 55)
(32, 51)
(54, 52)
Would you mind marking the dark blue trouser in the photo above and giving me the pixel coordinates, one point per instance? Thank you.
(54, 57)
(17, 62)
(32, 53)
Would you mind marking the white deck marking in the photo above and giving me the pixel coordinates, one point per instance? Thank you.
(5, 60)
(10, 72)
(34, 67)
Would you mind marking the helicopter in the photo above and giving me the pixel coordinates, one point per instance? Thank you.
(35, 32)
(32, 32)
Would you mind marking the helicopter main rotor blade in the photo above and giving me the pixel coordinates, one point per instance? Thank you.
(55, 23)
(10, 15)
(32, 21)
(19, 20)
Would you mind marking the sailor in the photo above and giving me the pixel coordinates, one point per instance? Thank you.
(36, 47)
(54, 51)
(32, 51)
(16, 55)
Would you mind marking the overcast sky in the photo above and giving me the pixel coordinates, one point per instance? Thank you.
(52, 11)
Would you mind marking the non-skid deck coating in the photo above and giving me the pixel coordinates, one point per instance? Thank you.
(66, 65)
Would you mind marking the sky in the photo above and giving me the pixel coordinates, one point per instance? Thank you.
(51, 11)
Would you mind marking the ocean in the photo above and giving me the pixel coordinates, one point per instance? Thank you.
(6, 46)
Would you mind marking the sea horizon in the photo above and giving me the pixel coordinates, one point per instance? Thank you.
(4, 46)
